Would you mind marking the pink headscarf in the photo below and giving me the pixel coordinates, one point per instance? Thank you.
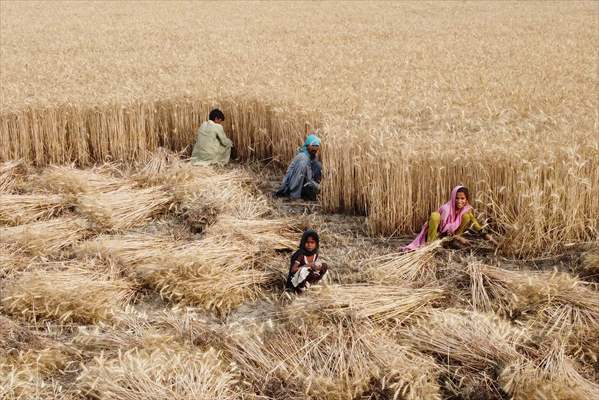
(450, 221)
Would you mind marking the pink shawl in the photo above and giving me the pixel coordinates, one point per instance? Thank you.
(450, 221)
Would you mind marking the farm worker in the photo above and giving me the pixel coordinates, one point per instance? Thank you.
(306, 267)
(304, 173)
(212, 145)
(452, 219)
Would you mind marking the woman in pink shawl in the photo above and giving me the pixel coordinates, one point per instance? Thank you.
(453, 218)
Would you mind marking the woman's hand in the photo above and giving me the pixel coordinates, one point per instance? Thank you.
(462, 240)
(491, 239)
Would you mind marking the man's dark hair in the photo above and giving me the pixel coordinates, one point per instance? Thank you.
(216, 113)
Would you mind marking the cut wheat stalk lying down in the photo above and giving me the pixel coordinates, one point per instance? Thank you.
(379, 303)
(45, 237)
(17, 209)
(72, 295)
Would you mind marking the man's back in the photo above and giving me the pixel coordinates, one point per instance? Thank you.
(212, 145)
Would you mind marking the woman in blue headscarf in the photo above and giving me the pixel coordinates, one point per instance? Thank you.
(304, 173)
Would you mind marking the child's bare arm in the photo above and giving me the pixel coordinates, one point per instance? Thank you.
(295, 267)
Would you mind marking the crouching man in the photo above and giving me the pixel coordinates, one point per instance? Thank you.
(212, 145)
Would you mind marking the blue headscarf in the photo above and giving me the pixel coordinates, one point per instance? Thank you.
(313, 140)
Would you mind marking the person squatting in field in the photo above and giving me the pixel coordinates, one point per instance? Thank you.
(212, 145)
(306, 268)
(304, 173)
(452, 219)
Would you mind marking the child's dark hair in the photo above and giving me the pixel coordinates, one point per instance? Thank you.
(465, 191)
(216, 113)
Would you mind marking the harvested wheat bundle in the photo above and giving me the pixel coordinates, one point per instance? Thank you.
(404, 373)
(397, 268)
(71, 180)
(129, 250)
(112, 340)
(12, 261)
(492, 289)
(124, 209)
(18, 209)
(193, 326)
(381, 304)
(267, 234)
(562, 304)
(160, 374)
(226, 193)
(552, 377)
(66, 296)
(220, 289)
(332, 361)
(316, 362)
(161, 168)
(473, 340)
(9, 174)
(19, 384)
(590, 262)
(45, 238)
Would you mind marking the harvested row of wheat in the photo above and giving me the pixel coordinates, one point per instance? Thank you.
(227, 192)
(550, 303)
(16, 209)
(159, 374)
(398, 268)
(381, 304)
(129, 250)
(125, 208)
(474, 340)
(333, 361)
(45, 238)
(215, 273)
(72, 180)
(266, 234)
(553, 377)
(66, 296)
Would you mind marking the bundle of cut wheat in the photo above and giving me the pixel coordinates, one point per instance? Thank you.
(590, 263)
(397, 268)
(124, 209)
(266, 234)
(71, 180)
(45, 237)
(162, 168)
(381, 304)
(226, 193)
(551, 377)
(65, 296)
(18, 209)
(474, 340)
(12, 261)
(218, 288)
(331, 361)
(157, 375)
(493, 289)
(129, 250)
(9, 173)
(20, 384)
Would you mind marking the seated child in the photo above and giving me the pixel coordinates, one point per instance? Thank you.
(306, 266)
(453, 218)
